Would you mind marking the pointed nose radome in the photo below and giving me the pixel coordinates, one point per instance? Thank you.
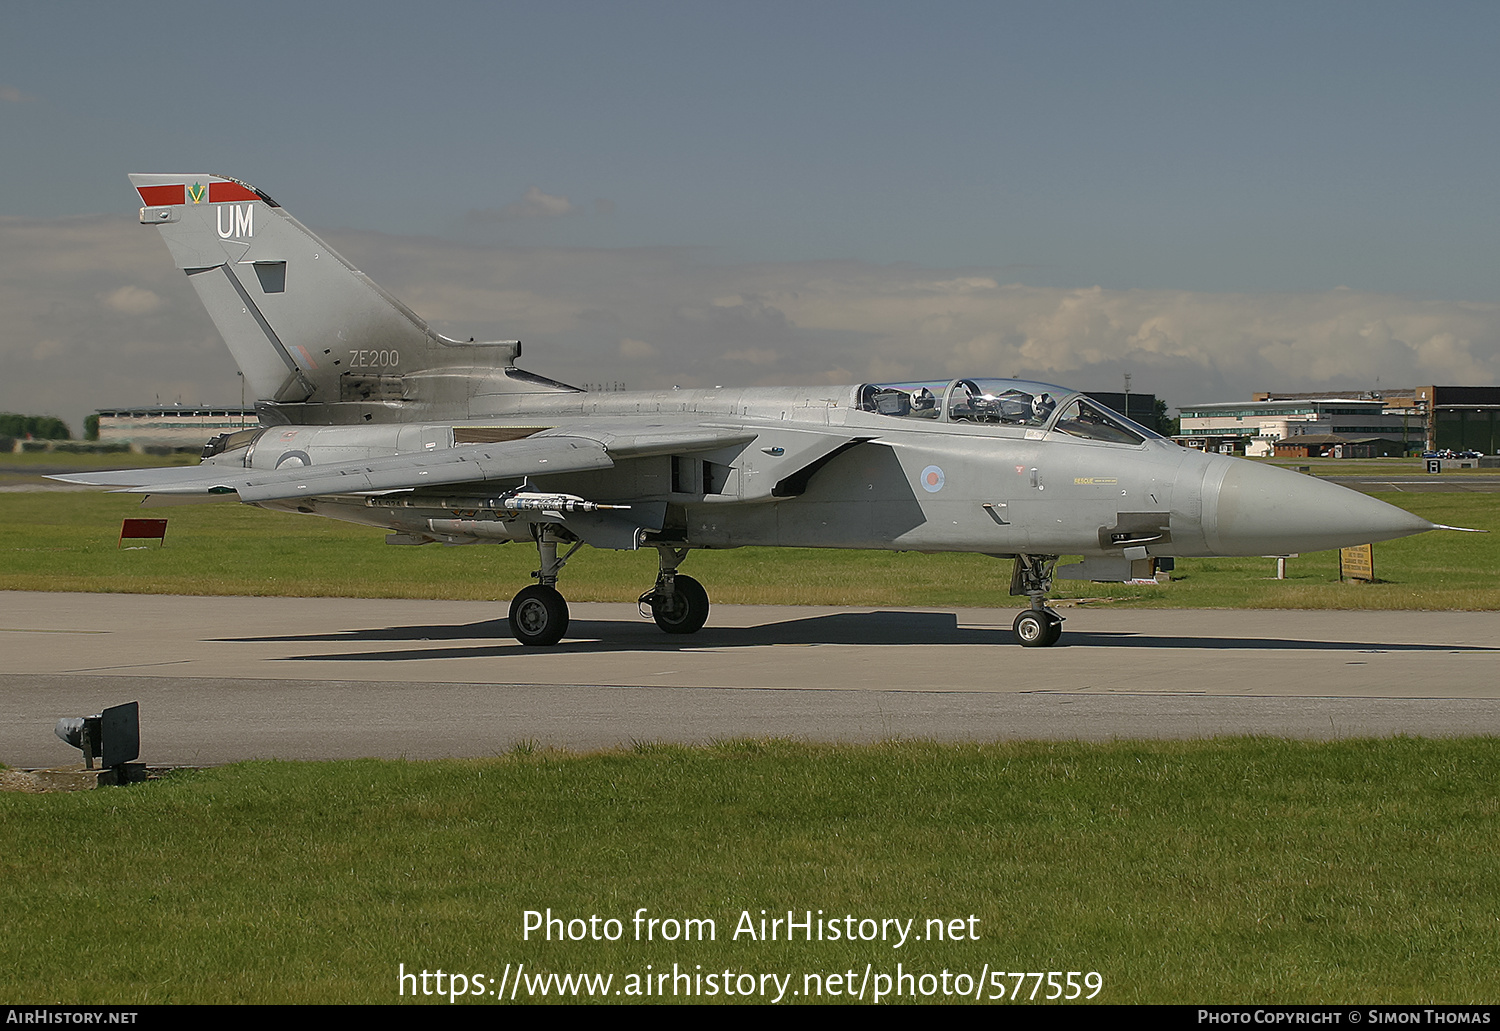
(1262, 510)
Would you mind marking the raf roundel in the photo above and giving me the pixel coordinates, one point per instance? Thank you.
(932, 479)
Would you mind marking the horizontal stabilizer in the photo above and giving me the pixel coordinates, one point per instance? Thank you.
(134, 477)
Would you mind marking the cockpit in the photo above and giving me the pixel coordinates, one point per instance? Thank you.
(1019, 404)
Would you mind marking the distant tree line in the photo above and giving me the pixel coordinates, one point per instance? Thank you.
(41, 427)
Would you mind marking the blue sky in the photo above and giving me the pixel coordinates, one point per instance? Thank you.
(1206, 148)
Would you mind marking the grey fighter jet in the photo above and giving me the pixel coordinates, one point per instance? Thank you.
(367, 414)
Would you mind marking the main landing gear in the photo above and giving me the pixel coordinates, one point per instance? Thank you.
(679, 604)
(1038, 626)
(539, 613)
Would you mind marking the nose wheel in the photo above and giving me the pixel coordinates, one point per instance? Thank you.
(1038, 628)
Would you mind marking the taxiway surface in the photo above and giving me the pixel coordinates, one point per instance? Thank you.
(223, 679)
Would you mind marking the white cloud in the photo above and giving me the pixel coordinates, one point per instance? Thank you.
(654, 317)
(131, 300)
(535, 204)
(637, 349)
(752, 356)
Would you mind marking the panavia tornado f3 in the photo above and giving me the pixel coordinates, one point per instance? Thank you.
(368, 415)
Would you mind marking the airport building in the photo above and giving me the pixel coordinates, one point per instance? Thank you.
(1330, 445)
(170, 425)
(1462, 418)
(1426, 418)
(1255, 427)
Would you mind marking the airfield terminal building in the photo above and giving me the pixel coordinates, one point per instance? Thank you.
(1427, 418)
(1255, 427)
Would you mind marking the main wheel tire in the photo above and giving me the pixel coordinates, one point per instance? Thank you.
(684, 611)
(539, 616)
(1035, 630)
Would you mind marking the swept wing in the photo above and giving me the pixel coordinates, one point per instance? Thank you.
(540, 455)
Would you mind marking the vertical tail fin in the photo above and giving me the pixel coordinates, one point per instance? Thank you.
(304, 325)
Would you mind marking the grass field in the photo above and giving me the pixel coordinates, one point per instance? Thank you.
(1231, 870)
(28, 462)
(66, 541)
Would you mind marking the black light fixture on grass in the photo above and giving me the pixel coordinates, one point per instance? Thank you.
(112, 736)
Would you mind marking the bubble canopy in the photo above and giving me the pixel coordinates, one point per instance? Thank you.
(1004, 402)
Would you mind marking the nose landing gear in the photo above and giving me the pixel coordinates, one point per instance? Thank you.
(1038, 626)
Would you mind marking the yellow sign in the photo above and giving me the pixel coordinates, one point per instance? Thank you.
(1357, 563)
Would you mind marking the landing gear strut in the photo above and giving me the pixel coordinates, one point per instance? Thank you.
(539, 613)
(679, 604)
(1038, 626)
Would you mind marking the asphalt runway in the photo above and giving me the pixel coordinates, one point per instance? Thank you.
(225, 679)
